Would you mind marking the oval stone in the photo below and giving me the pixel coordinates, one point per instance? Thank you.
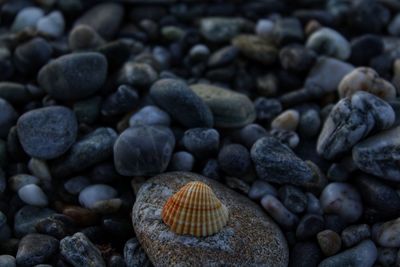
(250, 237)
(48, 132)
(143, 150)
(181, 103)
(230, 109)
(73, 76)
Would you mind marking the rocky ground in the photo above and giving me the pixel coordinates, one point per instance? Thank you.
(287, 109)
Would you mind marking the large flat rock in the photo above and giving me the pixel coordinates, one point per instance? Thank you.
(250, 238)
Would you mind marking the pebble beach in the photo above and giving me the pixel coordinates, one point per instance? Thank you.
(199, 133)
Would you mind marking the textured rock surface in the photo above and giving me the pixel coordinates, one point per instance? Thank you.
(249, 239)
(351, 120)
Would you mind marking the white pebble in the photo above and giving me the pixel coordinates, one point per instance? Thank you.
(94, 193)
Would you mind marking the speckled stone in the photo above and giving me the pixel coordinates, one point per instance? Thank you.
(352, 119)
(378, 154)
(256, 48)
(250, 237)
(230, 109)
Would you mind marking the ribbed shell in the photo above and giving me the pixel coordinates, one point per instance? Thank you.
(195, 210)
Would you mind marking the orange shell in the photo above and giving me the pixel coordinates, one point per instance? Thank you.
(195, 210)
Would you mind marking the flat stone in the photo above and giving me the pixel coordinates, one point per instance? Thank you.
(250, 238)
(35, 249)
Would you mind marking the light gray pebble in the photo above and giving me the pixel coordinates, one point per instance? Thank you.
(33, 195)
(52, 24)
(27, 17)
(7, 261)
(326, 41)
(94, 193)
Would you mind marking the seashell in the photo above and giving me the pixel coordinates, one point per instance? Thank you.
(195, 210)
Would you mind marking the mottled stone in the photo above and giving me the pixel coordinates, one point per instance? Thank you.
(230, 109)
(352, 119)
(134, 254)
(275, 162)
(220, 29)
(143, 150)
(80, 252)
(265, 243)
(201, 142)
(261, 188)
(354, 234)
(378, 154)
(278, 211)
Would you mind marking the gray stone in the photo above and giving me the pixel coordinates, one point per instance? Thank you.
(181, 103)
(93, 148)
(354, 234)
(51, 25)
(201, 142)
(362, 255)
(27, 217)
(134, 254)
(278, 211)
(84, 37)
(350, 120)
(143, 150)
(47, 133)
(33, 195)
(275, 162)
(105, 18)
(342, 199)
(150, 115)
(378, 154)
(137, 75)
(7, 261)
(35, 249)
(27, 17)
(74, 76)
(80, 252)
(94, 193)
(261, 188)
(326, 75)
(8, 116)
(219, 29)
(388, 234)
(328, 42)
(230, 109)
(265, 243)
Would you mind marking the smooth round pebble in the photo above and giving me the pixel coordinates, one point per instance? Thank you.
(201, 142)
(234, 159)
(150, 115)
(329, 242)
(33, 195)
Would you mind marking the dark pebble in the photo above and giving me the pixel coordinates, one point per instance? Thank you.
(309, 226)
(120, 102)
(143, 150)
(74, 76)
(134, 254)
(47, 133)
(354, 234)
(8, 116)
(201, 142)
(35, 249)
(234, 159)
(31, 56)
(298, 258)
(293, 198)
(181, 103)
